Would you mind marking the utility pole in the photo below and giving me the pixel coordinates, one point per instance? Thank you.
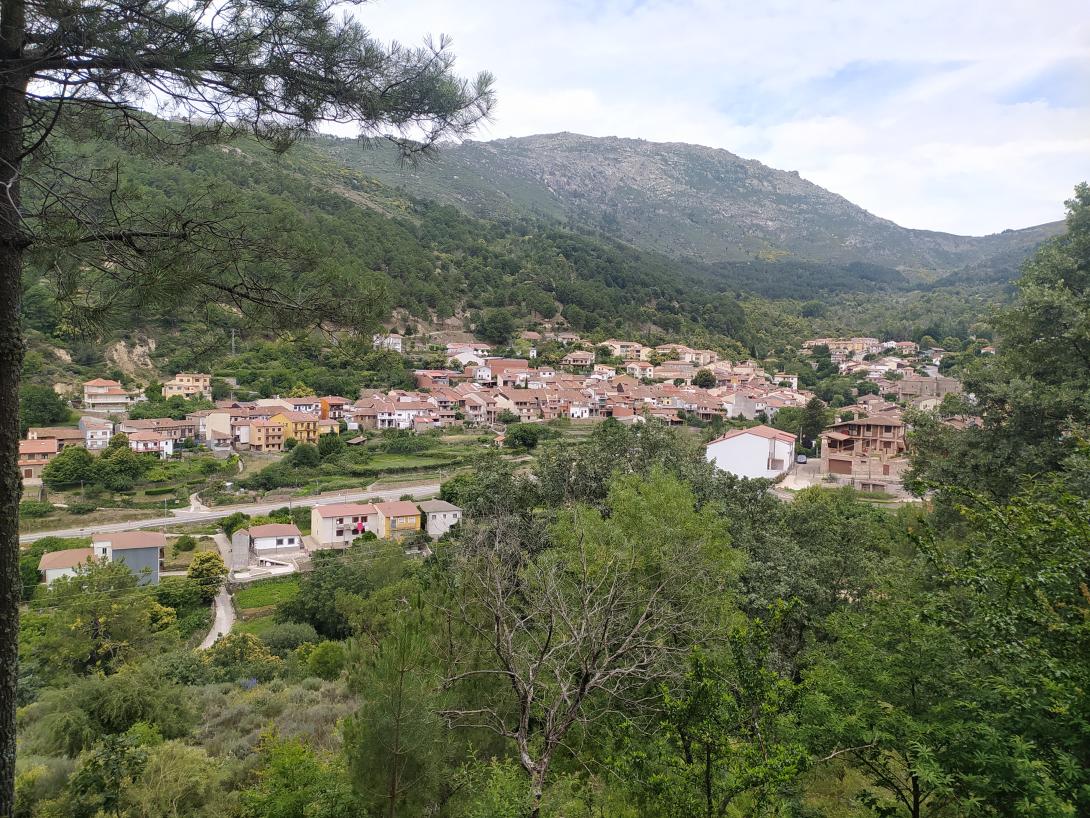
(232, 342)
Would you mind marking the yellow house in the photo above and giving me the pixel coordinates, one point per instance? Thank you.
(299, 425)
(396, 519)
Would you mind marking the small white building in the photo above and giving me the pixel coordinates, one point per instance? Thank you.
(439, 517)
(274, 537)
(759, 452)
(57, 564)
(392, 342)
(336, 525)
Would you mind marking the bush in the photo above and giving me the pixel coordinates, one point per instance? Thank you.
(283, 639)
(326, 660)
(159, 490)
(34, 508)
(81, 507)
(184, 543)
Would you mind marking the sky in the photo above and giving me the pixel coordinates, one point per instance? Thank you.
(966, 116)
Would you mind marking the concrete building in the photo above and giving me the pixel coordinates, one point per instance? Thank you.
(141, 551)
(439, 517)
(397, 518)
(274, 537)
(57, 564)
(189, 385)
(336, 525)
(96, 432)
(34, 454)
(102, 395)
(759, 452)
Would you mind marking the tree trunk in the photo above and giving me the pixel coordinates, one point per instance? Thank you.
(13, 242)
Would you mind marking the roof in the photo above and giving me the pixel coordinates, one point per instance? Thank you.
(767, 432)
(432, 506)
(101, 382)
(148, 435)
(121, 540)
(69, 558)
(45, 445)
(59, 432)
(397, 508)
(275, 530)
(345, 509)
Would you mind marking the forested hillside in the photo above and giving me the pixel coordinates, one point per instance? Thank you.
(685, 201)
(326, 233)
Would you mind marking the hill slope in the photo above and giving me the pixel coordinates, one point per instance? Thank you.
(681, 200)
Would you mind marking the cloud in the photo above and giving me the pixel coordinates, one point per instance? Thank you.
(969, 117)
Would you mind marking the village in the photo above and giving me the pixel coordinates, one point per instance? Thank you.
(865, 447)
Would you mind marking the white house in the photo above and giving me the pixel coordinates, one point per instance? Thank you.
(392, 341)
(57, 564)
(150, 441)
(757, 452)
(336, 525)
(439, 517)
(274, 537)
(96, 432)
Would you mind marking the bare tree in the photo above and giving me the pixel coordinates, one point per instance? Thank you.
(587, 625)
(272, 68)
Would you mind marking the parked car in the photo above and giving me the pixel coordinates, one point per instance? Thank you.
(800, 458)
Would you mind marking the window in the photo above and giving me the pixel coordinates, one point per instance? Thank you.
(279, 540)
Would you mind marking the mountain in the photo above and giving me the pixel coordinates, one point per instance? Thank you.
(684, 201)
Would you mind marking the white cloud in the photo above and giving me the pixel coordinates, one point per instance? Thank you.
(933, 114)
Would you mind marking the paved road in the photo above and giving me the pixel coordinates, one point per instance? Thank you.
(186, 516)
(223, 621)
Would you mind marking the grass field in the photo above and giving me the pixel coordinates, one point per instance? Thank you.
(258, 626)
(265, 593)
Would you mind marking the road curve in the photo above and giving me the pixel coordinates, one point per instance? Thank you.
(420, 492)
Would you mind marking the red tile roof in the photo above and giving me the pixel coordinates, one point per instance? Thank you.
(766, 432)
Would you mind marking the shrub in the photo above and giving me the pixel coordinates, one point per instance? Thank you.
(242, 656)
(184, 543)
(326, 660)
(34, 508)
(81, 507)
(287, 637)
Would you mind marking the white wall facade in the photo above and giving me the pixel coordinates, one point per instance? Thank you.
(751, 456)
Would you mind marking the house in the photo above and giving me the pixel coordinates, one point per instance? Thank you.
(271, 538)
(57, 564)
(96, 432)
(64, 435)
(141, 551)
(864, 447)
(579, 359)
(102, 395)
(34, 454)
(336, 525)
(189, 385)
(299, 425)
(627, 350)
(640, 369)
(149, 441)
(176, 430)
(391, 342)
(758, 452)
(396, 519)
(439, 517)
(266, 436)
(334, 407)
